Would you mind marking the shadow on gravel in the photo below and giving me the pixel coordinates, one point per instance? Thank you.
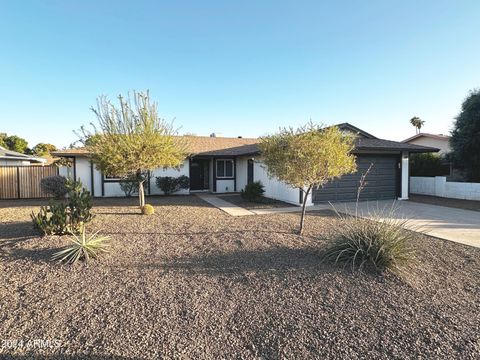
(240, 261)
(17, 231)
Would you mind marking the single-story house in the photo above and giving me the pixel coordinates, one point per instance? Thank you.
(223, 165)
(439, 141)
(13, 158)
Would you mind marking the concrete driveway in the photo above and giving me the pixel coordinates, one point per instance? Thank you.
(462, 226)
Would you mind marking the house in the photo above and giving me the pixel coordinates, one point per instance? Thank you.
(439, 141)
(13, 158)
(223, 165)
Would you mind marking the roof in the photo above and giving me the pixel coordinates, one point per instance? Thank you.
(432, 136)
(364, 144)
(224, 146)
(6, 154)
(354, 129)
(198, 146)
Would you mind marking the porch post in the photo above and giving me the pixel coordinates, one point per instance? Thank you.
(405, 176)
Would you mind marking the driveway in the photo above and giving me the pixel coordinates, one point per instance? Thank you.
(461, 226)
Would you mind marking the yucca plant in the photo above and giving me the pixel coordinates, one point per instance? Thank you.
(380, 241)
(83, 247)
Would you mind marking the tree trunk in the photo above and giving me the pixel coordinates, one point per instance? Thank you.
(304, 209)
(141, 194)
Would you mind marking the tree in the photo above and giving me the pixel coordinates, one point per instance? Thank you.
(417, 123)
(465, 140)
(43, 149)
(16, 143)
(2, 140)
(308, 157)
(131, 139)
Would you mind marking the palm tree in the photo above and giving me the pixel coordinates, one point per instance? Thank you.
(417, 122)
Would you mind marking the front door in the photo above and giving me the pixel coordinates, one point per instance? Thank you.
(199, 174)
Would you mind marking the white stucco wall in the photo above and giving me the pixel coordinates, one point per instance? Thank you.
(439, 186)
(224, 186)
(242, 172)
(83, 172)
(276, 189)
(113, 189)
(183, 170)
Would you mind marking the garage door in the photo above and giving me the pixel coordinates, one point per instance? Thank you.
(381, 181)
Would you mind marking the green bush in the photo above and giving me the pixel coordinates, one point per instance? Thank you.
(170, 185)
(59, 218)
(381, 243)
(82, 248)
(428, 165)
(148, 209)
(55, 186)
(253, 191)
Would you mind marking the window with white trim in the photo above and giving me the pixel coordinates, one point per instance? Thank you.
(225, 168)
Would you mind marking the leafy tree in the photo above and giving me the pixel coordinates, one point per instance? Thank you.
(43, 149)
(131, 139)
(465, 140)
(308, 157)
(2, 140)
(417, 123)
(16, 143)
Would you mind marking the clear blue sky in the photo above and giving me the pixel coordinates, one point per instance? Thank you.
(238, 67)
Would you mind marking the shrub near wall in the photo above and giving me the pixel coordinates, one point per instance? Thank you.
(428, 165)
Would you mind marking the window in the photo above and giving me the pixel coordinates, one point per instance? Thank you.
(225, 168)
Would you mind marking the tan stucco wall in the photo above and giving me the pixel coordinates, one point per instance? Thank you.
(436, 143)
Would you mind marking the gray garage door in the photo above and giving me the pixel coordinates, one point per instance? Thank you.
(381, 181)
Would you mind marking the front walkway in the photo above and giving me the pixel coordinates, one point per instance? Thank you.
(223, 205)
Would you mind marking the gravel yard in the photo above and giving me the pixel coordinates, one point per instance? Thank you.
(193, 282)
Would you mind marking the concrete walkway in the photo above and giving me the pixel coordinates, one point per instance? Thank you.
(223, 205)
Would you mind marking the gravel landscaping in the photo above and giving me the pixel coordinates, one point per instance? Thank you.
(263, 203)
(454, 203)
(192, 282)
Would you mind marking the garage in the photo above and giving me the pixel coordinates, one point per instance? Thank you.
(381, 182)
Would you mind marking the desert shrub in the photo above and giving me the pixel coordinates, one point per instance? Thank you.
(55, 186)
(79, 205)
(380, 242)
(59, 218)
(83, 247)
(51, 219)
(148, 209)
(169, 184)
(428, 165)
(253, 191)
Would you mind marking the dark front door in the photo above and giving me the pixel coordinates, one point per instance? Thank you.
(199, 174)
(250, 171)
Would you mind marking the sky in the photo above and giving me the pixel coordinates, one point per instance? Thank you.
(238, 68)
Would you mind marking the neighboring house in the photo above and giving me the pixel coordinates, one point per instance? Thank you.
(439, 141)
(13, 158)
(222, 165)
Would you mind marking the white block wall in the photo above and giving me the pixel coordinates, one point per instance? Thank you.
(439, 186)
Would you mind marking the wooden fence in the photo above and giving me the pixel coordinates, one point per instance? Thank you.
(23, 182)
